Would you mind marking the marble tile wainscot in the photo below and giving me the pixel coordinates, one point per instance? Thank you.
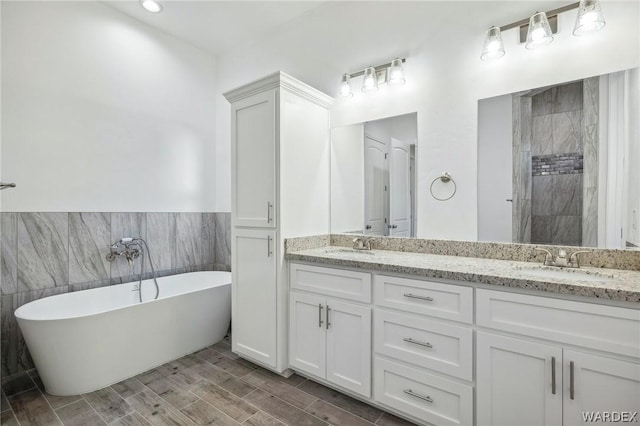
(43, 254)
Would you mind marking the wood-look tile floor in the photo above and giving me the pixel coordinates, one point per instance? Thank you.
(210, 387)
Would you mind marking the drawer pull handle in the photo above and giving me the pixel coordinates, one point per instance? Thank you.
(416, 395)
(553, 375)
(328, 323)
(571, 383)
(416, 342)
(415, 296)
(320, 315)
(269, 207)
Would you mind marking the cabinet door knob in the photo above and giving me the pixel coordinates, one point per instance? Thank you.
(320, 315)
(269, 252)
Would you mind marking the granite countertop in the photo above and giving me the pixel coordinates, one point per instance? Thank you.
(612, 284)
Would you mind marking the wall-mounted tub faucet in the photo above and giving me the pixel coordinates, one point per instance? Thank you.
(131, 249)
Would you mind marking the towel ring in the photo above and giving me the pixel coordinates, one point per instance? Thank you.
(445, 178)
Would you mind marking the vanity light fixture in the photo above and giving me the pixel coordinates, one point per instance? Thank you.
(391, 73)
(538, 30)
(151, 6)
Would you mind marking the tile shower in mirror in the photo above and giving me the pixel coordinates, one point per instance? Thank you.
(558, 164)
(373, 177)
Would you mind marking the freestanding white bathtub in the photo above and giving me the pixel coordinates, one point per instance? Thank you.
(86, 340)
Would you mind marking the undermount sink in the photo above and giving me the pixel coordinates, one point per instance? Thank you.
(564, 273)
(350, 251)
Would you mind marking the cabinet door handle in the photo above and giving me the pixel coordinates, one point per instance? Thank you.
(328, 323)
(320, 315)
(415, 296)
(269, 252)
(571, 387)
(553, 375)
(416, 342)
(416, 395)
(269, 207)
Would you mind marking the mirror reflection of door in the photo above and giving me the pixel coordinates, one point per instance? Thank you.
(375, 184)
(400, 194)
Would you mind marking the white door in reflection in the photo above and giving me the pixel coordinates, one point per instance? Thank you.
(376, 177)
(400, 194)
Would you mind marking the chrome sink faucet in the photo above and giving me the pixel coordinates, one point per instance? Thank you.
(362, 243)
(561, 260)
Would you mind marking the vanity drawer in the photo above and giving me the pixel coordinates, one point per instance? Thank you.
(350, 285)
(608, 328)
(442, 347)
(422, 395)
(446, 301)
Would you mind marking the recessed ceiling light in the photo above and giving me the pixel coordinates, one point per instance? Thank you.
(151, 6)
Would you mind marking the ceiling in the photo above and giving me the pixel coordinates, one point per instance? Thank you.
(220, 27)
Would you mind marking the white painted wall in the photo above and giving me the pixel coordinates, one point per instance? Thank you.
(103, 113)
(445, 80)
(495, 175)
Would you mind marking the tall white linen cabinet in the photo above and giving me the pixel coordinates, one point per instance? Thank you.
(280, 189)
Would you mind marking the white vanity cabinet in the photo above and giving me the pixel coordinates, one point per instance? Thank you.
(329, 337)
(522, 380)
(280, 189)
(422, 330)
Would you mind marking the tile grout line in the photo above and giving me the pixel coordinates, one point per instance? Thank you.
(290, 405)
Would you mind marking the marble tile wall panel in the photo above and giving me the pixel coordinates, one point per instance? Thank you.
(125, 225)
(567, 132)
(591, 142)
(161, 238)
(89, 241)
(567, 195)
(209, 238)
(188, 239)
(542, 135)
(541, 229)
(542, 195)
(541, 104)
(43, 250)
(223, 240)
(8, 253)
(566, 230)
(567, 97)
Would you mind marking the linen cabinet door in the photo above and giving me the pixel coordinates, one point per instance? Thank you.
(253, 289)
(307, 335)
(349, 346)
(253, 153)
(597, 384)
(518, 382)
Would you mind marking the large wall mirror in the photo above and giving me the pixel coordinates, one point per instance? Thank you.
(561, 164)
(373, 175)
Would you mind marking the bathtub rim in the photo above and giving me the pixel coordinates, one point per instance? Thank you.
(102, 312)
